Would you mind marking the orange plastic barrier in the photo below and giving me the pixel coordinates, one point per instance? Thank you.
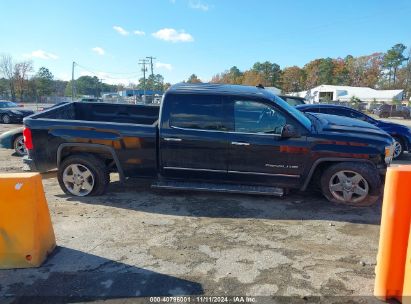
(406, 291)
(390, 281)
(26, 232)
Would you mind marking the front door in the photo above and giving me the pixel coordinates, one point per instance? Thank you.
(258, 154)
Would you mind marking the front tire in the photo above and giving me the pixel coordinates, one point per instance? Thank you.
(83, 175)
(351, 183)
(6, 119)
(398, 148)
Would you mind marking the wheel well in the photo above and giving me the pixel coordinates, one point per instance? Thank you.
(404, 142)
(15, 136)
(316, 176)
(102, 155)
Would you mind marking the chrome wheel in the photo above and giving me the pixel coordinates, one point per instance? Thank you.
(78, 179)
(19, 146)
(6, 119)
(397, 149)
(348, 186)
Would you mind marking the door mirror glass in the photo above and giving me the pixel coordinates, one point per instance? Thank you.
(289, 131)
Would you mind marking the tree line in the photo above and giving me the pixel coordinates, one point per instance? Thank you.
(389, 70)
(19, 82)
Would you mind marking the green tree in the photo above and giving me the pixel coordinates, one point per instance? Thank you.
(193, 79)
(44, 82)
(153, 82)
(293, 79)
(325, 71)
(392, 60)
(269, 72)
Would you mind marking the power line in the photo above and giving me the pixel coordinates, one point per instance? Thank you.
(97, 71)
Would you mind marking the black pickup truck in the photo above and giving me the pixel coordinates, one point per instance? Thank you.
(210, 137)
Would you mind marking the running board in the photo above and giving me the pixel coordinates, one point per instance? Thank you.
(226, 188)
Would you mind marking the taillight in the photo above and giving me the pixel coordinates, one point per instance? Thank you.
(28, 140)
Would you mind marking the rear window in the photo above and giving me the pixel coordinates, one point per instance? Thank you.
(200, 112)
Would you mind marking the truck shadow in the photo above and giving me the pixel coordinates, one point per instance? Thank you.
(70, 276)
(137, 195)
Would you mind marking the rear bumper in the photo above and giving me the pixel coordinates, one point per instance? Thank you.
(30, 163)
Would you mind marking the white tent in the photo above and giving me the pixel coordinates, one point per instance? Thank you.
(346, 93)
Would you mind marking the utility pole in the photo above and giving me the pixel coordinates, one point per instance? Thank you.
(72, 82)
(408, 82)
(151, 64)
(101, 86)
(143, 62)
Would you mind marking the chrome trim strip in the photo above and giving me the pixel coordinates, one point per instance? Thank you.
(237, 143)
(232, 171)
(229, 132)
(195, 169)
(172, 139)
(267, 174)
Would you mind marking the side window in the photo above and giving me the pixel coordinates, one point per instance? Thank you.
(357, 115)
(338, 112)
(201, 112)
(255, 117)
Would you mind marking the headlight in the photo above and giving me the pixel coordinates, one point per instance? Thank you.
(389, 151)
(15, 112)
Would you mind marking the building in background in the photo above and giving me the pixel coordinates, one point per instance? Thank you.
(347, 94)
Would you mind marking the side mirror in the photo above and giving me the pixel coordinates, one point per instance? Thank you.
(289, 131)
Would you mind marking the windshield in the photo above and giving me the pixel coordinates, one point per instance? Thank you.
(294, 112)
(8, 104)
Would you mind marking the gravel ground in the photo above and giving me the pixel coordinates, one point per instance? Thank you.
(136, 242)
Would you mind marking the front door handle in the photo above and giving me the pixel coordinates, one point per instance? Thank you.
(172, 139)
(237, 143)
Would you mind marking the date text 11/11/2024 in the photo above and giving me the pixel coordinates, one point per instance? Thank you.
(203, 299)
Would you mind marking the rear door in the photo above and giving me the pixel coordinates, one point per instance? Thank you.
(258, 153)
(193, 138)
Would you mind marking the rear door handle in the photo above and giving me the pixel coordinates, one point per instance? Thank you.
(172, 139)
(237, 143)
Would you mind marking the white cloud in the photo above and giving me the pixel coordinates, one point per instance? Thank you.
(120, 30)
(170, 34)
(41, 54)
(139, 33)
(197, 4)
(161, 65)
(98, 50)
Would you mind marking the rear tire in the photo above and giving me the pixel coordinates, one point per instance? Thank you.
(18, 145)
(351, 183)
(83, 175)
(6, 119)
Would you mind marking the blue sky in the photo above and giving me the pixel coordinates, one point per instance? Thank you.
(195, 36)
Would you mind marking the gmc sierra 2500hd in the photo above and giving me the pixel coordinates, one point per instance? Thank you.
(210, 137)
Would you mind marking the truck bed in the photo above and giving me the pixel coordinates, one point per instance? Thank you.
(125, 134)
(104, 112)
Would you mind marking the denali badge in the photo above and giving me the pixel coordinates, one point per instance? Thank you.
(282, 166)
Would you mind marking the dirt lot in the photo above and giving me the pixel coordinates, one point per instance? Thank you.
(135, 242)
